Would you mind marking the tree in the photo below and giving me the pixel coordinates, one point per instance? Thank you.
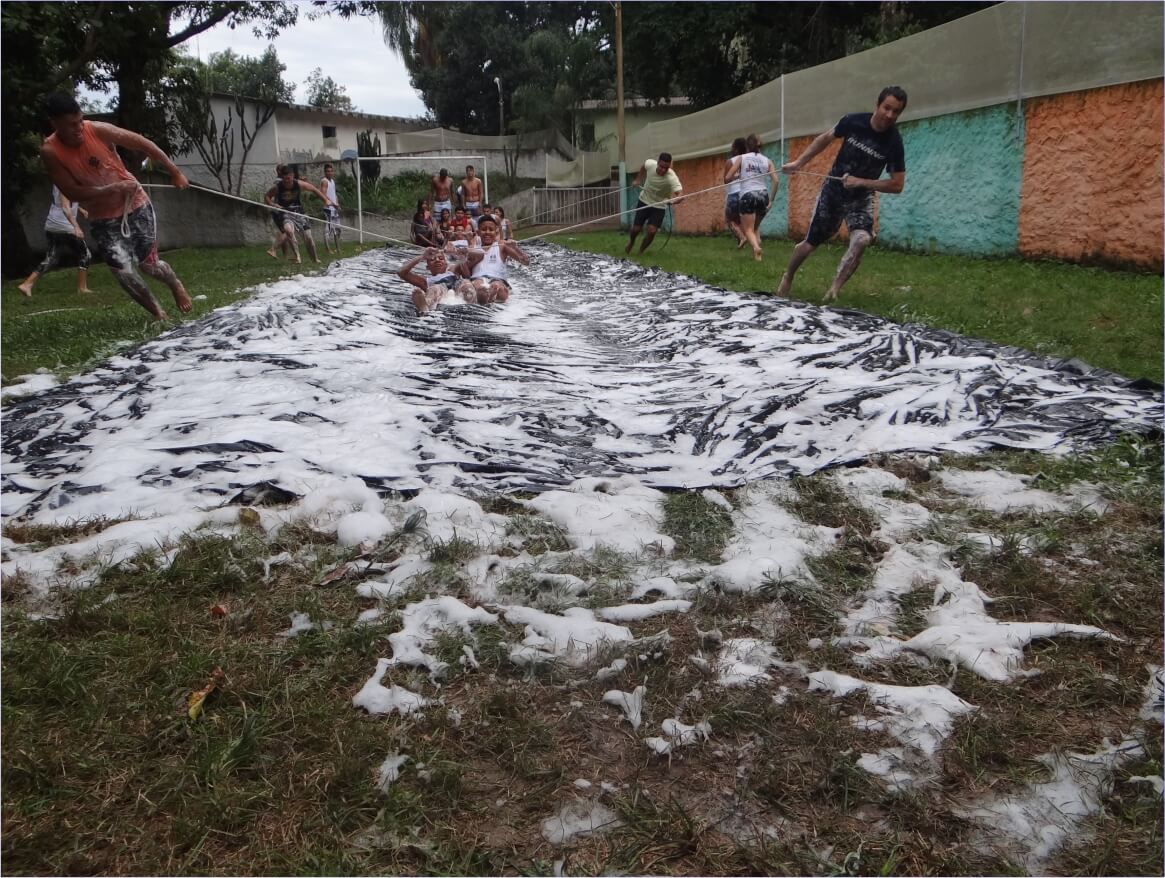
(257, 87)
(551, 54)
(123, 47)
(711, 52)
(39, 47)
(325, 92)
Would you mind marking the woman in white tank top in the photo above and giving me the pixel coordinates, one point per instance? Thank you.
(751, 169)
(732, 199)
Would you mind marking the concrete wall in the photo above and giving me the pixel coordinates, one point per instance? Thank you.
(1092, 178)
(192, 218)
(962, 184)
(1075, 176)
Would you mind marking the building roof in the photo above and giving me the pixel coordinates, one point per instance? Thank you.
(412, 123)
(636, 104)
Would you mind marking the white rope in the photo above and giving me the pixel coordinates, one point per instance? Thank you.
(266, 206)
(524, 240)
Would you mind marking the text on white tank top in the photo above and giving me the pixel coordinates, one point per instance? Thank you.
(492, 264)
(754, 168)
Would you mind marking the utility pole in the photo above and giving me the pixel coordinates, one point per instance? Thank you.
(501, 108)
(620, 127)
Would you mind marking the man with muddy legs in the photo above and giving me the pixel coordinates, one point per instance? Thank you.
(81, 159)
(871, 144)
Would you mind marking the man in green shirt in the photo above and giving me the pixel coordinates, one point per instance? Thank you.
(660, 186)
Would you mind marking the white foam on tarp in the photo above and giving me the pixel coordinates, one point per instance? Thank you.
(330, 385)
(620, 513)
(1042, 816)
(377, 698)
(768, 542)
(34, 382)
(631, 703)
(577, 819)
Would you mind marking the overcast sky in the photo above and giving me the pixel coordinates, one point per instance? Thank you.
(352, 52)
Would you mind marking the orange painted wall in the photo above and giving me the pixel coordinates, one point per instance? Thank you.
(1092, 178)
(704, 213)
(803, 188)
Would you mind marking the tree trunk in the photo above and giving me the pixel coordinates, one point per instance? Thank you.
(18, 258)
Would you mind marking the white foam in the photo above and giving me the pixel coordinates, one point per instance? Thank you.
(577, 819)
(1041, 817)
(376, 698)
(620, 513)
(575, 637)
(631, 703)
(768, 541)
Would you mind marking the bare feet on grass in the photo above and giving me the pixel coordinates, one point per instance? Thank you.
(830, 295)
(784, 286)
(272, 253)
(84, 291)
(182, 298)
(25, 289)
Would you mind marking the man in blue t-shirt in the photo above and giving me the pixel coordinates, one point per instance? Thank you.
(871, 144)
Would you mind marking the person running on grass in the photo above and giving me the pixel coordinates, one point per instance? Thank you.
(751, 169)
(289, 218)
(732, 195)
(429, 289)
(871, 144)
(660, 186)
(82, 161)
(65, 241)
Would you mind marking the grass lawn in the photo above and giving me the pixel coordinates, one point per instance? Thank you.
(105, 770)
(60, 330)
(1109, 319)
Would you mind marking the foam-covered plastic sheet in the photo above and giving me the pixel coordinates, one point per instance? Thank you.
(595, 367)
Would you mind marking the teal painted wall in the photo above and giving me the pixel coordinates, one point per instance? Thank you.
(963, 174)
(776, 221)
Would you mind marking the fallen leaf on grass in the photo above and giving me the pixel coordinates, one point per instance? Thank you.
(195, 702)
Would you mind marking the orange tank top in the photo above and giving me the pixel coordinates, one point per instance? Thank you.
(96, 163)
